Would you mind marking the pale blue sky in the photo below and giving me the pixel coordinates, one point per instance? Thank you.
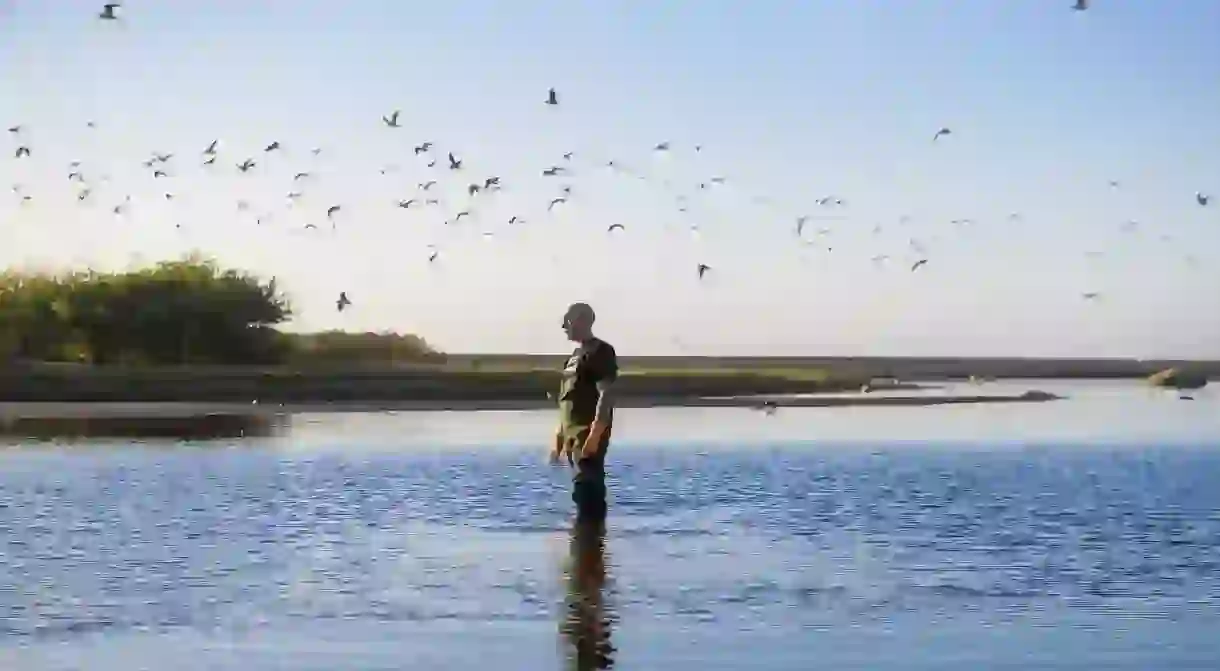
(791, 101)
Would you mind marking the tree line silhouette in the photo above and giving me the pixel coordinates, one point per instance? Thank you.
(184, 312)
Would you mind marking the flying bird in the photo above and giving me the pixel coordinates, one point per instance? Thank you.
(22, 151)
(245, 165)
(940, 133)
(454, 164)
(392, 120)
(552, 98)
(554, 202)
(459, 215)
(83, 195)
(212, 147)
(343, 301)
(242, 206)
(161, 158)
(300, 176)
(332, 211)
(1091, 295)
(315, 151)
(159, 173)
(473, 189)
(515, 220)
(75, 177)
(491, 182)
(918, 264)
(107, 13)
(661, 146)
(1081, 5)
(1114, 184)
(272, 147)
(1200, 198)
(14, 129)
(404, 204)
(432, 257)
(432, 201)
(427, 146)
(210, 160)
(615, 227)
(703, 268)
(169, 196)
(552, 171)
(432, 163)
(427, 185)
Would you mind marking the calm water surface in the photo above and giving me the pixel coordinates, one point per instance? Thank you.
(1079, 534)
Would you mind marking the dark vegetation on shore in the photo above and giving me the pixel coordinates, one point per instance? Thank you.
(190, 330)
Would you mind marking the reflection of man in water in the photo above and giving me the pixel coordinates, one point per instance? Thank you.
(586, 627)
(586, 411)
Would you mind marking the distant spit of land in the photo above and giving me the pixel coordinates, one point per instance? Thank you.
(488, 381)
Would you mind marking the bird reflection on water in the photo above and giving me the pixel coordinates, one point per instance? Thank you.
(588, 616)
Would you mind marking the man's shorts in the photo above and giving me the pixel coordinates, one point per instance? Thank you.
(589, 480)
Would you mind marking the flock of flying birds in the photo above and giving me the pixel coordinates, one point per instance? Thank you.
(160, 165)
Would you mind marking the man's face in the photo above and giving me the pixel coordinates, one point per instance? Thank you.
(574, 325)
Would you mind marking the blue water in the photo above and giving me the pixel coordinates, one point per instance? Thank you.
(366, 542)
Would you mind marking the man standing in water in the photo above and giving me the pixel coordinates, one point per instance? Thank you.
(586, 411)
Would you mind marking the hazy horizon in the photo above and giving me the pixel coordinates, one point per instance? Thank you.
(789, 103)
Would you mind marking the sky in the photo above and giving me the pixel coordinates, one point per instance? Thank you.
(788, 102)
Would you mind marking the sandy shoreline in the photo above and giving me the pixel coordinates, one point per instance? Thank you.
(158, 409)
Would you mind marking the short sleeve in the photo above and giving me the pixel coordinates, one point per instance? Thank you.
(605, 362)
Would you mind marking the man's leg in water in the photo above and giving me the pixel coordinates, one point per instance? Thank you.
(589, 481)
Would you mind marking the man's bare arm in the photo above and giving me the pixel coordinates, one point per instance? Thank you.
(601, 418)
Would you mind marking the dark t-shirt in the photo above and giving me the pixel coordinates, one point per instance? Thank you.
(590, 363)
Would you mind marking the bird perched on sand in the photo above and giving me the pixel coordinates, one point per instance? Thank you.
(391, 120)
(245, 165)
(454, 163)
(552, 98)
(107, 13)
(1200, 198)
(343, 301)
(941, 133)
